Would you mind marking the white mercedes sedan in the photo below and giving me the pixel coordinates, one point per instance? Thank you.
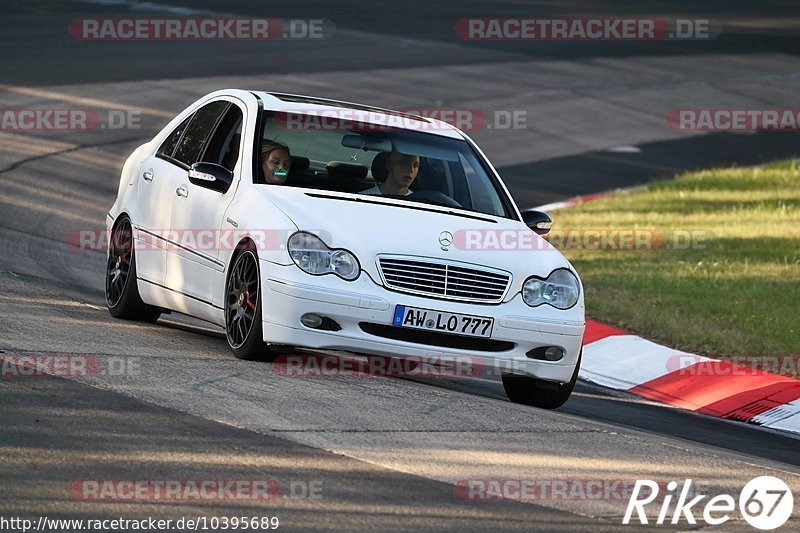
(296, 221)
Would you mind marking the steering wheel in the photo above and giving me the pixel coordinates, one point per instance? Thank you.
(433, 197)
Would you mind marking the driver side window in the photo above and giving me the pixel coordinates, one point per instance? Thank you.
(223, 146)
(203, 123)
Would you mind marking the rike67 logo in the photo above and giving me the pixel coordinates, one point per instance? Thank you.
(765, 503)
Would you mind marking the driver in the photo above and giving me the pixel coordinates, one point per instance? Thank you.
(401, 171)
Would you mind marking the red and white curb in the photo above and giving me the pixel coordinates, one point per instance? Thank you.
(614, 359)
(588, 198)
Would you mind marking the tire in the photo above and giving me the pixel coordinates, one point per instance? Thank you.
(243, 326)
(122, 292)
(526, 390)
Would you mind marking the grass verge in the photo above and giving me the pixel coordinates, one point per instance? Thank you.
(708, 262)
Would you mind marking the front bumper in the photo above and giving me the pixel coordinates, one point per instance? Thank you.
(289, 293)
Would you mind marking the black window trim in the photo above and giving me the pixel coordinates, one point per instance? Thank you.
(210, 132)
(259, 133)
(215, 127)
(175, 162)
(204, 147)
(169, 158)
(218, 125)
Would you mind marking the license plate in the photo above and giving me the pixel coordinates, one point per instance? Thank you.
(428, 319)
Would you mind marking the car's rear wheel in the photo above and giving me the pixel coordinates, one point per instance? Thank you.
(547, 395)
(122, 292)
(243, 325)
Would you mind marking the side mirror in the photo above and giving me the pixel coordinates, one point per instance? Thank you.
(211, 176)
(539, 221)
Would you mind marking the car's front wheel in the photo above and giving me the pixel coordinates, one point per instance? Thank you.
(243, 325)
(122, 293)
(530, 391)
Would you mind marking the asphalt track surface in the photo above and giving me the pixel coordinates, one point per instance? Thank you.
(386, 452)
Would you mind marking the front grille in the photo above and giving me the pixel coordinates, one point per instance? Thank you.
(444, 279)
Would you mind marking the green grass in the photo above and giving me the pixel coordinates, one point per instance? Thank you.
(736, 292)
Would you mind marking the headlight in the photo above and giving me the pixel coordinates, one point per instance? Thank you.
(313, 256)
(561, 290)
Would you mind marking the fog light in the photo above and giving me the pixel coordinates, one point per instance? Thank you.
(311, 320)
(553, 353)
(546, 353)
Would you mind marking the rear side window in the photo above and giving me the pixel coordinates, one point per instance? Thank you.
(168, 146)
(191, 144)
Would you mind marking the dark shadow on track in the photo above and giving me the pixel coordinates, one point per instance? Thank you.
(625, 410)
(593, 172)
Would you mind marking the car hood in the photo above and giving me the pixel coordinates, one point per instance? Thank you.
(371, 226)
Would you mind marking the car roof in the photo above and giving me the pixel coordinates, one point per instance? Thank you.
(312, 105)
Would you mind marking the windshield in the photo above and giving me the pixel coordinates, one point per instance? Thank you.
(332, 154)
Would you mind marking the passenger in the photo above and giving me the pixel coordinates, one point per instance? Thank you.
(400, 170)
(276, 161)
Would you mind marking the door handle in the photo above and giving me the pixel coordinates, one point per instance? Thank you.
(182, 191)
(148, 175)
